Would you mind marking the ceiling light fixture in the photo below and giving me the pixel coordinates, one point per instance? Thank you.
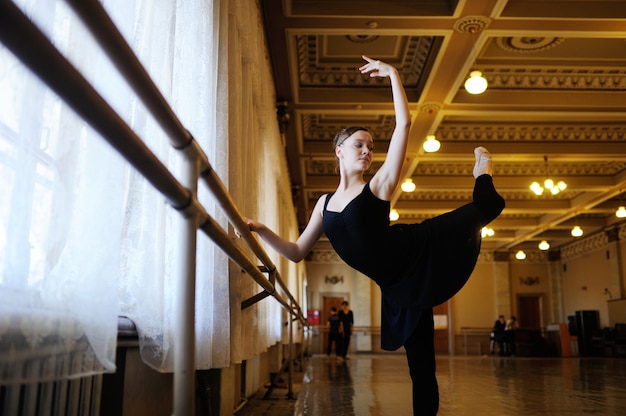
(476, 83)
(621, 212)
(520, 255)
(577, 231)
(487, 232)
(549, 184)
(393, 215)
(431, 144)
(544, 245)
(408, 185)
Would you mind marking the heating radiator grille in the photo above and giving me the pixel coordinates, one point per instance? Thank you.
(78, 397)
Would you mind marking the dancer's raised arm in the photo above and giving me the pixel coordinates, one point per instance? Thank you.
(386, 179)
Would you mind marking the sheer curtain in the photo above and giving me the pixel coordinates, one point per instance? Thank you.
(84, 238)
(60, 222)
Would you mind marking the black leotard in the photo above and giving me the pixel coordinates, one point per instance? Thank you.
(417, 266)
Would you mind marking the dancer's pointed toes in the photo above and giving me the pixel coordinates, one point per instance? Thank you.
(483, 164)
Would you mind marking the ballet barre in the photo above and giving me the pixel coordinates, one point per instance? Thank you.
(34, 49)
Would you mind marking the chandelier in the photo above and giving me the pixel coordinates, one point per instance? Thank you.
(548, 184)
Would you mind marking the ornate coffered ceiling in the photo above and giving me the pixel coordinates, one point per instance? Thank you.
(557, 89)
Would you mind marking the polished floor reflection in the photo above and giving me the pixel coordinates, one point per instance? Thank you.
(380, 385)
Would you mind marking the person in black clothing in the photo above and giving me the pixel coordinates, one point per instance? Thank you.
(335, 333)
(347, 319)
(417, 266)
(509, 336)
(498, 334)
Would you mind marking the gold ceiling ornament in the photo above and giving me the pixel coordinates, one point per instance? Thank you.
(527, 44)
(471, 24)
(430, 107)
(362, 38)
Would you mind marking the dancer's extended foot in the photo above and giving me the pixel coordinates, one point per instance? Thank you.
(483, 162)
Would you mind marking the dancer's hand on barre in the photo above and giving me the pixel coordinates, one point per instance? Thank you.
(293, 250)
(254, 226)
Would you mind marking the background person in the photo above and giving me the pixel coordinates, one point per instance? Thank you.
(335, 333)
(347, 319)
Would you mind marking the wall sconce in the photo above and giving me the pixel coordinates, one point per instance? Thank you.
(393, 215)
(544, 245)
(431, 144)
(487, 232)
(621, 212)
(577, 231)
(476, 83)
(520, 255)
(408, 185)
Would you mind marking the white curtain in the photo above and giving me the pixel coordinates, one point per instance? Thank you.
(256, 168)
(84, 238)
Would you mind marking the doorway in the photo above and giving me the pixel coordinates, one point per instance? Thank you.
(529, 309)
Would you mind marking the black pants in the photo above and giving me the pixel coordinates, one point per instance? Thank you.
(345, 344)
(336, 339)
(420, 353)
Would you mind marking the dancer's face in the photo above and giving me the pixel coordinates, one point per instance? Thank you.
(357, 150)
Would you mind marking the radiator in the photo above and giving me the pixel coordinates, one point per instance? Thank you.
(78, 397)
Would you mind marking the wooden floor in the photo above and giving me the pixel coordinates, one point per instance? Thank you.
(379, 384)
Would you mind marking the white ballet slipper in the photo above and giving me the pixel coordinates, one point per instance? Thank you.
(483, 165)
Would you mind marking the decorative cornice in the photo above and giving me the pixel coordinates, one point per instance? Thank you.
(486, 257)
(554, 78)
(314, 72)
(438, 196)
(532, 256)
(319, 129)
(609, 132)
(329, 168)
(592, 243)
(462, 169)
(501, 256)
(324, 256)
